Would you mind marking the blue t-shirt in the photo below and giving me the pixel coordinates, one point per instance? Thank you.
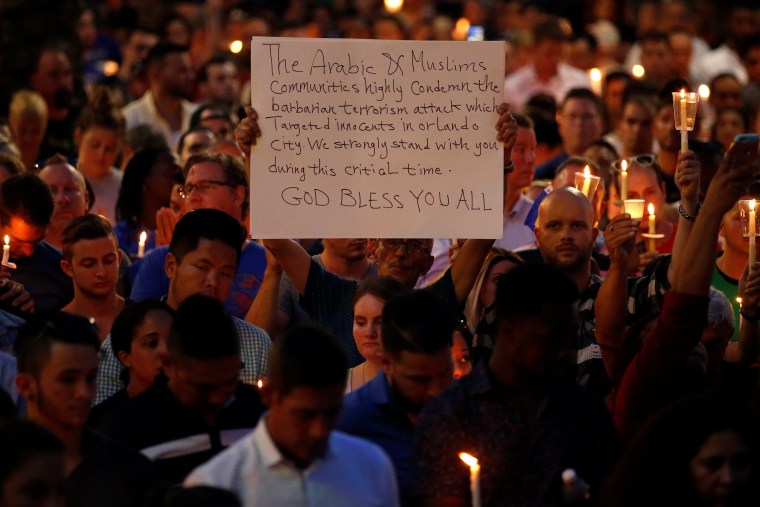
(151, 281)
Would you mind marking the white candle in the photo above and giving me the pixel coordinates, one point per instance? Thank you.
(684, 132)
(141, 245)
(652, 228)
(586, 181)
(472, 462)
(596, 80)
(624, 180)
(6, 250)
(752, 233)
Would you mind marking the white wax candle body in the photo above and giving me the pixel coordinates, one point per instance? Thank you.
(752, 237)
(475, 485)
(624, 185)
(586, 185)
(652, 231)
(684, 132)
(6, 253)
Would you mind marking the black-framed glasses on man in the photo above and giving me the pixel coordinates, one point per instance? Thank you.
(201, 186)
(412, 246)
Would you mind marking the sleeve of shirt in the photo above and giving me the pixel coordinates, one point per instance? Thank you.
(437, 470)
(325, 292)
(444, 287)
(109, 372)
(254, 351)
(151, 281)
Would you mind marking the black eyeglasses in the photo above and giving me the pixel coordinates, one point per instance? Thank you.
(412, 246)
(645, 160)
(201, 186)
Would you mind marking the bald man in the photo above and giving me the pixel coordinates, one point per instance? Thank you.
(565, 237)
(69, 195)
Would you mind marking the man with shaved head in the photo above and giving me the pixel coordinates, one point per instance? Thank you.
(565, 236)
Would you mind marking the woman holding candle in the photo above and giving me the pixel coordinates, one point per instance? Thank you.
(147, 186)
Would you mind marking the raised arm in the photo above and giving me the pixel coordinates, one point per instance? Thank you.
(610, 308)
(295, 261)
(466, 265)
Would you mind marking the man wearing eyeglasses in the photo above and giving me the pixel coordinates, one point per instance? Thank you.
(212, 181)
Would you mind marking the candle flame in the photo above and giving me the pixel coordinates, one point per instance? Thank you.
(704, 91)
(624, 165)
(236, 46)
(683, 93)
(143, 236)
(7, 240)
(393, 6)
(650, 208)
(586, 172)
(595, 74)
(637, 71)
(739, 300)
(469, 459)
(751, 206)
(260, 384)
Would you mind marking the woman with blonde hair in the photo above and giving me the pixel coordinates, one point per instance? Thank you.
(27, 119)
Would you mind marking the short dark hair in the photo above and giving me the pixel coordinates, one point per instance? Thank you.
(207, 223)
(307, 356)
(550, 29)
(526, 290)
(218, 111)
(523, 121)
(654, 36)
(217, 59)
(203, 329)
(584, 93)
(234, 171)
(576, 160)
(84, 227)
(123, 327)
(36, 337)
(27, 197)
(160, 51)
(381, 287)
(22, 440)
(191, 130)
(418, 321)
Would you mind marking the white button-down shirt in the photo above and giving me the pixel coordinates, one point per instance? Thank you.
(523, 84)
(516, 233)
(143, 112)
(352, 472)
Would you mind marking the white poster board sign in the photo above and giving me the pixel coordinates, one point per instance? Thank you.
(365, 138)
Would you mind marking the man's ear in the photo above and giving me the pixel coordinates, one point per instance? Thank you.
(372, 244)
(170, 265)
(239, 195)
(537, 233)
(123, 357)
(66, 268)
(27, 386)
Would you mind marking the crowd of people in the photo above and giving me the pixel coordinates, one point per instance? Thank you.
(153, 353)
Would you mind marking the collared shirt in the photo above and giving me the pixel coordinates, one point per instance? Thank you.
(254, 352)
(721, 60)
(372, 412)
(351, 472)
(521, 458)
(516, 233)
(524, 83)
(143, 112)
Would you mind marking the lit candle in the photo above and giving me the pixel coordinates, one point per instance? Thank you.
(752, 233)
(6, 250)
(684, 132)
(393, 6)
(472, 462)
(596, 80)
(739, 300)
(260, 384)
(586, 181)
(624, 180)
(652, 228)
(141, 245)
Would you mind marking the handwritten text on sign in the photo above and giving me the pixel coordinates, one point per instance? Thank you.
(369, 138)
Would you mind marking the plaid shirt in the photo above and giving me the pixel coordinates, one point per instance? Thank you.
(254, 352)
